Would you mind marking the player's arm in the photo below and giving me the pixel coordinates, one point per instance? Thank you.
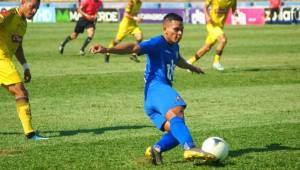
(21, 58)
(124, 48)
(233, 8)
(128, 10)
(206, 11)
(185, 65)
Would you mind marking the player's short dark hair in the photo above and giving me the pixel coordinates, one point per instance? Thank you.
(171, 17)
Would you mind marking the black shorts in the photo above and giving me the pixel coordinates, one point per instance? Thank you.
(83, 24)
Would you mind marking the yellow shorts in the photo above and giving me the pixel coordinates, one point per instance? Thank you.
(127, 29)
(213, 33)
(8, 73)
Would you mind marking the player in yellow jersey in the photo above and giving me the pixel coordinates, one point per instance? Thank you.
(12, 29)
(215, 19)
(129, 25)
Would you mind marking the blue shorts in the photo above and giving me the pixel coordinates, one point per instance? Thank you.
(159, 99)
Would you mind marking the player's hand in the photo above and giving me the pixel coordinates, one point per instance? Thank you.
(139, 20)
(93, 17)
(97, 48)
(90, 17)
(27, 75)
(197, 70)
(208, 19)
(236, 14)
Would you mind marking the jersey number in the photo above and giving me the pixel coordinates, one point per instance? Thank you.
(170, 70)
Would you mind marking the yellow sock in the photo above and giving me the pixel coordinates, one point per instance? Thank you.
(192, 60)
(23, 109)
(217, 58)
(111, 44)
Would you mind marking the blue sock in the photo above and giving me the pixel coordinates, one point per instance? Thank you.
(180, 131)
(167, 142)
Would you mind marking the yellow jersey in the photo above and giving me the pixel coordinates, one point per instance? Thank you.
(133, 9)
(12, 29)
(219, 10)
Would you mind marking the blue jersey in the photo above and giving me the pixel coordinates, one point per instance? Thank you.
(161, 59)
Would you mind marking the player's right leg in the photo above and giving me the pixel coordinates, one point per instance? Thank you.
(154, 153)
(24, 111)
(10, 80)
(66, 40)
(79, 28)
(222, 40)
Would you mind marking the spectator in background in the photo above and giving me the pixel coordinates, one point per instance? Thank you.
(274, 8)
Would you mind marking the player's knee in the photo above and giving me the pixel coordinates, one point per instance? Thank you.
(18, 90)
(138, 40)
(223, 40)
(206, 48)
(166, 126)
(89, 39)
(73, 36)
(177, 111)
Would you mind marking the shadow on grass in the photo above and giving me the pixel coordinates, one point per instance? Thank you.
(241, 152)
(260, 69)
(267, 148)
(96, 131)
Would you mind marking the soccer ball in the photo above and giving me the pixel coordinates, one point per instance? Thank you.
(216, 146)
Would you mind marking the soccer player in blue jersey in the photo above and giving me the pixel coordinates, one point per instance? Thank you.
(162, 103)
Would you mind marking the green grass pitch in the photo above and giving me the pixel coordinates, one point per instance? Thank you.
(93, 112)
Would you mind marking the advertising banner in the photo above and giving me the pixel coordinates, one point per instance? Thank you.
(156, 15)
(290, 15)
(45, 14)
(196, 16)
(105, 15)
(247, 16)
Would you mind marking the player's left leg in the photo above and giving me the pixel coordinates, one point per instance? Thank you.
(90, 32)
(222, 41)
(211, 38)
(24, 111)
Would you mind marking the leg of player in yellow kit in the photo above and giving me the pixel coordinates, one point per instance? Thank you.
(210, 41)
(138, 35)
(222, 40)
(10, 80)
(122, 33)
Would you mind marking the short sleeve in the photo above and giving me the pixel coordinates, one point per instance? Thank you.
(148, 46)
(83, 4)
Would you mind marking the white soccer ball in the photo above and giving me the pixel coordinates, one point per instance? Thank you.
(216, 146)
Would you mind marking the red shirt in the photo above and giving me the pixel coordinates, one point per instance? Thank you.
(90, 7)
(275, 3)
